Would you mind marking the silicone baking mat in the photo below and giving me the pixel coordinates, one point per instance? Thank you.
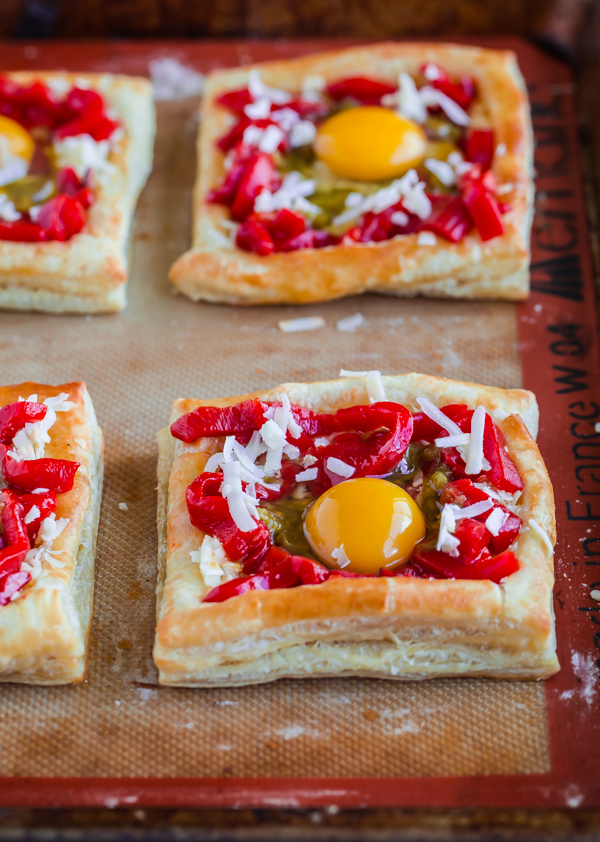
(120, 739)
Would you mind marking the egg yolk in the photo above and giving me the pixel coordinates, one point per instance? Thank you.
(363, 525)
(15, 142)
(370, 144)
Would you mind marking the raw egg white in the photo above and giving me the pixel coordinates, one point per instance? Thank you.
(363, 525)
(370, 144)
(15, 142)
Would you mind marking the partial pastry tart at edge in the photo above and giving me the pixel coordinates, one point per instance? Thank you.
(394, 527)
(75, 151)
(396, 168)
(51, 465)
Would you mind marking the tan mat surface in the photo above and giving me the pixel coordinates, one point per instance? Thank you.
(119, 723)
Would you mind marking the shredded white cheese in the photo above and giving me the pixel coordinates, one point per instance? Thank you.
(350, 323)
(8, 212)
(426, 238)
(82, 153)
(409, 189)
(30, 442)
(339, 554)
(32, 514)
(258, 90)
(172, 80)
(339, 468)
(298, 325)
(495, 521)
(210, 558)
(308, 475)
(475, 458)
(542, 534)
(293, 188)
(450, 514)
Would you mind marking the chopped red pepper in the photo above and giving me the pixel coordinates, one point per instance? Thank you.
(210, 512)
(235, 100)
(503, 472)
(364, 419)
(377, 456)
(484, 211)
(479, 147)
(23, 231)
(45, 503)
(287, 572)
(14, 416)
(62, 217)
(16, 539)
(260, 173)
(220, 421)
(309, 239)
(463, 92)
(473, 537)
(463, 493)
(54, 474)
(442, 566)
(449, 218)
(366, 91)
(252, 236)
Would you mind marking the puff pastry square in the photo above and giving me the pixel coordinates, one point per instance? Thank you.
(44, 633)
(88, 273)
(402, 627)
(216, 270)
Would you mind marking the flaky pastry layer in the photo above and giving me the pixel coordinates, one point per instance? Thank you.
(43, 634)
(401, 628)
(88, 273)
(215, 270)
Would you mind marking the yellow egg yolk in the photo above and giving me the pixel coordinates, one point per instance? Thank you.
(370, 144)
(363, 525)
(15, 142)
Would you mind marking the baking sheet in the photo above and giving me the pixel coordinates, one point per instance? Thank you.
(118, 738)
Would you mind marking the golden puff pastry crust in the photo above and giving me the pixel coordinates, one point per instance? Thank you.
(402, 628)
(44, 633)
(88, 273)
(215, 270)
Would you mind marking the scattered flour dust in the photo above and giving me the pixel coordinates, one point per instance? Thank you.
(173, 81)
(584, 668)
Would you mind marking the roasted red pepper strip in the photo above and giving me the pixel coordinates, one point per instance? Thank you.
(12, 583)
(367, 91)
(473, 537)
(15, 533)
(479, 147)
(363, 419)
(210, 512)
(484, 211)
(220, 421)
(309, 239)
(442, 566)
(23, 231)
(260, 173)
(45, 503)
(377, 456)
(14, 416)
(54, 474)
